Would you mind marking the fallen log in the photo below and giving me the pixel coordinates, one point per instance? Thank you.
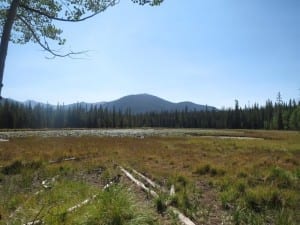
(86, 201)
(79, 205)
(139, 183)
(3, 140)
(152, 183)
(172, 190)
(183, 219)
(73, 208)
(62, 160)
(37, 222)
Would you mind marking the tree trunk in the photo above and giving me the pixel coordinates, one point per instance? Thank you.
(11, 15)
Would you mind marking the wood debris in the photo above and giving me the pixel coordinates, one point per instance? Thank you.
(183, 219)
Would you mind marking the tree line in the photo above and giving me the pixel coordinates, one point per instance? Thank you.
(279, 115)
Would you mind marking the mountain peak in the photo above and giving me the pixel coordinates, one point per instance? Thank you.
(136, 103)
(142, 103)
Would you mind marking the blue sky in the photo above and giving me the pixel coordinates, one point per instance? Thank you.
(209, 52)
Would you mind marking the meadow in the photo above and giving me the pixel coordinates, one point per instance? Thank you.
(219, 177)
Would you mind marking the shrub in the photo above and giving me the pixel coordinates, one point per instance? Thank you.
(207, 169)
(262, 198)
(242, 174)
(185, 201)
(242, 216)
(284, 217)
(1, 177)
(182, 180)
(213, 172)
(228, 197)
(203, 170)
(17, 167)
(241, 187)
(116, 206)
(281, 177)
(14, 202)
(297, 173)
(160, 203)
(14, 168)
(174, 200)
(33, 165)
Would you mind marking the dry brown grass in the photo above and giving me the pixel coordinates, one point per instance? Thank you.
(164, 159)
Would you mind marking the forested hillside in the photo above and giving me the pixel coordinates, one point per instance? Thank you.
(277, 115)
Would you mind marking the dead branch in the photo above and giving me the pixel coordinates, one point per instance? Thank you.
(86, 201)
(46, 46)
(79, 205)
(37, 222)
(71, 209)
(61, 160)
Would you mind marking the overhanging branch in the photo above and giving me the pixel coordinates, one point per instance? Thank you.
(46, 46)
(112, 3)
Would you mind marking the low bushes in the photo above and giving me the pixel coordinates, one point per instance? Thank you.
(17, 167)
(208, 169)
(254, 198)
(281, 178)
(117, 206)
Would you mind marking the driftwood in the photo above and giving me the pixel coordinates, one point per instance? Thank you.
(152, 183)
(37, 222)
(139, 183)
(47, 184)
(86, 201)
(172, 190)
(155, 185)
(183, 219)
(3, 140)
(79, 205)
(62, 160)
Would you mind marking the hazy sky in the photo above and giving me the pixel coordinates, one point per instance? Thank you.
(205, 51)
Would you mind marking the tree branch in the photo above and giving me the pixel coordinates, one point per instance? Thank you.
(46, 46)
(112, 3)
(4, 9)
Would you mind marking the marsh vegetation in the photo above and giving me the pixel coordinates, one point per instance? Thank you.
(215, 180)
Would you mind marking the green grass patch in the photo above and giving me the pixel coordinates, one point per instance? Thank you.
(210, 170)
(256, 181)
(116, 206)
(282, 178)
(17, 167)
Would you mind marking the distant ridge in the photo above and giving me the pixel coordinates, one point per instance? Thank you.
(142, 103)
(139, 103)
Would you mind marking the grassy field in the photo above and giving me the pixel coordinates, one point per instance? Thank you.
(219, 177)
